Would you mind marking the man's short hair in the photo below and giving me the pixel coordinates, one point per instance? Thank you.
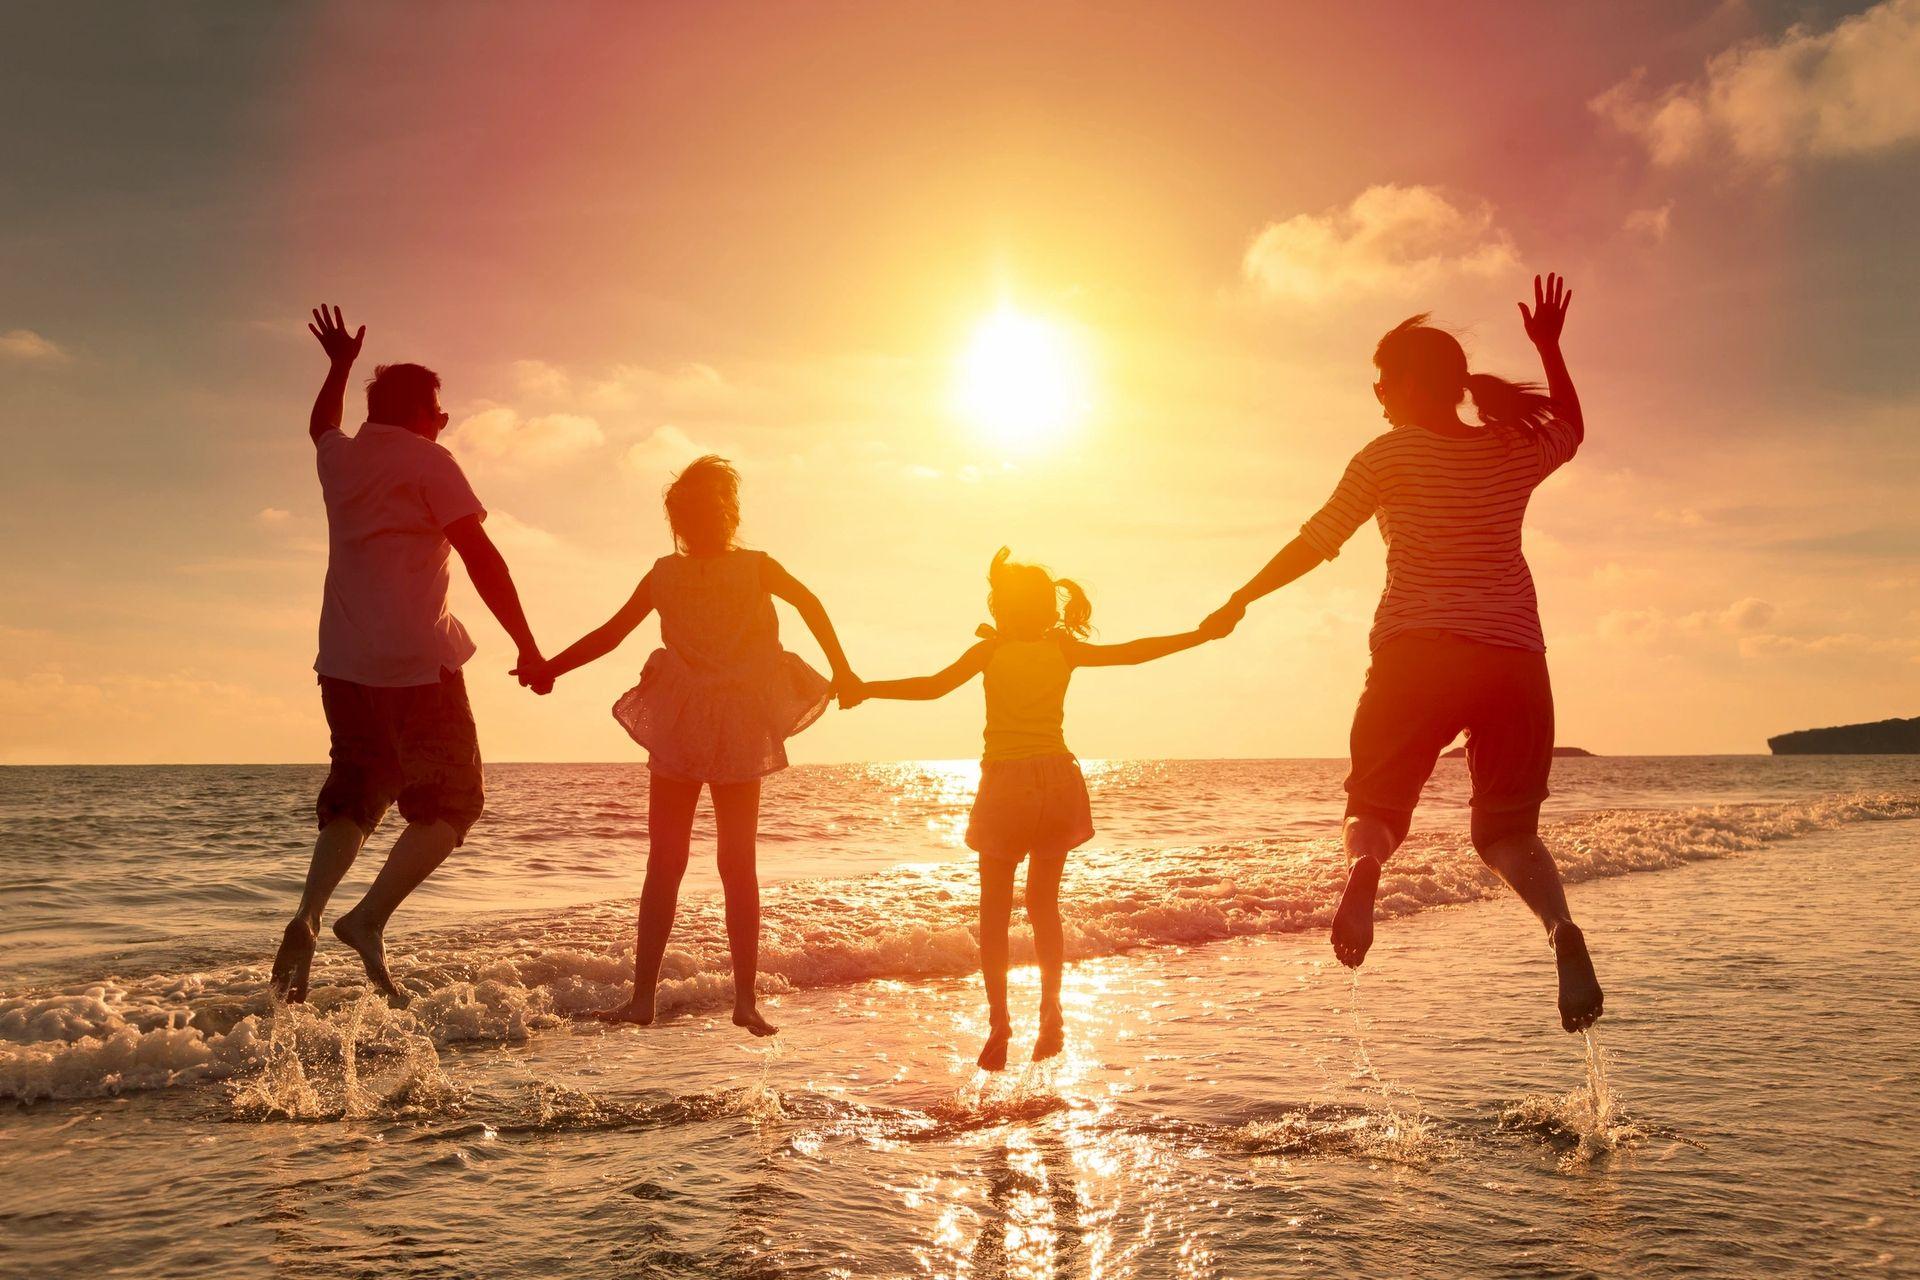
(399, 394)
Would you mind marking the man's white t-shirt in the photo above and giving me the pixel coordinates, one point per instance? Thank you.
(390, 495)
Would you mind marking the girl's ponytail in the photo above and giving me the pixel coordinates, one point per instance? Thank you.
(1076, 618)
(1516, 406)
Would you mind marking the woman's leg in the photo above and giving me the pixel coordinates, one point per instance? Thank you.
(1509, 844)
(1049, 946)
(996, 910)
(670, 805)
(736, 819)
(1369, 839)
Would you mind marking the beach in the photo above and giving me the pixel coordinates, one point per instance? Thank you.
(1232, 1102)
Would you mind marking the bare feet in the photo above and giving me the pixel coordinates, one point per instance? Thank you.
(1353, 921)
(748, 1016)
(1053, 1035)
(637, 1011)
(1580, 998)
(292, 962)
(994, 1056)
(373, 954)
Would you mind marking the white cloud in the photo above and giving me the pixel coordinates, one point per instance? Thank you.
(25, 344)
(663, 453)
(1847, 91)
(1651, 223)
(690, 387)
(1389, 238)
(537, 377)
(273, 517)
(498, 433)
(518, 536)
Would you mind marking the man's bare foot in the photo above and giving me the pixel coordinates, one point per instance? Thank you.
(1580, 999)
(1353, 921)
(637, 1011)
(1053, 1035)
(994, 1056)
(749, 1016)
(292, 962)
(373, 954)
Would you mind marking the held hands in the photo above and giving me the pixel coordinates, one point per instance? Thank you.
(849, 690)
(342, 349)
(1221, 622)
(1549, 314)
(534, 673)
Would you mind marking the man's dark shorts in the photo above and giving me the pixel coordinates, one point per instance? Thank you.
(1425, 687)
(415, 744)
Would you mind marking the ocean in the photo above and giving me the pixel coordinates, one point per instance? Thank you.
(1232, 1102)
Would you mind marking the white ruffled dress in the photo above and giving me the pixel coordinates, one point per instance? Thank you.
(718, 702)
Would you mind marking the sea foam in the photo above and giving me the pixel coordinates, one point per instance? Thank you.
(504, 978)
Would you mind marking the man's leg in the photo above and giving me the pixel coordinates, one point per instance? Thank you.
(421, 848)
(333, 854)
(736, 821)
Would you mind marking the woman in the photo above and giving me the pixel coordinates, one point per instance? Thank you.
(1456, 641)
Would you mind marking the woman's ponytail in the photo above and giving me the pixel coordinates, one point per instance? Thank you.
(1517, 406)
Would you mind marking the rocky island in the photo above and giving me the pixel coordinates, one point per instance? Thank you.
(1879, 738)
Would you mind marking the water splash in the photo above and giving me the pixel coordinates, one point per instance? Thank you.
(1391, 1131)
(1587, 1122)
(350, 1062)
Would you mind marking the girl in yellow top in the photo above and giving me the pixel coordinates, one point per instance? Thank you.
(1032, 798)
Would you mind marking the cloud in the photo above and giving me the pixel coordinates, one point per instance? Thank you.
(273, 517)
(1651, 223)
(518, 536)
(688, 388)
(666, 451)
(537, 377)
(1389, 238)
(497, 433)
(1809, 94)
(25, 344)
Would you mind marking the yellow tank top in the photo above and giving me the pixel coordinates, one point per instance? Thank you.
(1026, 683)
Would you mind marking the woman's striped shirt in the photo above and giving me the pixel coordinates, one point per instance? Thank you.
(1450, 509)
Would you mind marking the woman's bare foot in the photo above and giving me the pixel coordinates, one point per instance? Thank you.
(1053, 1035)
(367, 940)
(293, 961)
(1581, 1002)
(748, 1016)
(994, 1056)
(1353, 921)
(637, 1011)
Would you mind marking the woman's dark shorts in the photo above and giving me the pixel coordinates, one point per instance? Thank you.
(415, 744)
(1423, 689)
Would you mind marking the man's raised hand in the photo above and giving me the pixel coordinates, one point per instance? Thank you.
(341, 348)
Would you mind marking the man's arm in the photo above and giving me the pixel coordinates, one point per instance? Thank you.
(488, 569)
(342, 350)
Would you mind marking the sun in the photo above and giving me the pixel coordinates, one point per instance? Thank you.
(1021, 380)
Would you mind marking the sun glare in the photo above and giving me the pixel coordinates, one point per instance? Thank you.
(1021, 380)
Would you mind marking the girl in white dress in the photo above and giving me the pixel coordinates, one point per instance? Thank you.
(714, 707)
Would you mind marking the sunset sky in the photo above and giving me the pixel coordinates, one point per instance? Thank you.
(627, 235)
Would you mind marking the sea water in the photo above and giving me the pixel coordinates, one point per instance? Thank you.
(1232, 1102)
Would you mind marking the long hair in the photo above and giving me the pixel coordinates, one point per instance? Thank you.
(1027, 601)
(1415, 353)
(703, 505)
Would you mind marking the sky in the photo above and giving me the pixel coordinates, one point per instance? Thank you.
(627, 235)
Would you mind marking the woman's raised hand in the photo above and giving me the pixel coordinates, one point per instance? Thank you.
(1549, 312)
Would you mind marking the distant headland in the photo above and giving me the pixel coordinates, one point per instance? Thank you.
(1880, 738)
(1561, 753)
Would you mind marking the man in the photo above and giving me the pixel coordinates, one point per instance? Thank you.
(390, 653)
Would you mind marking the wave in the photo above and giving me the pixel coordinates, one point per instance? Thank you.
(504, 979)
